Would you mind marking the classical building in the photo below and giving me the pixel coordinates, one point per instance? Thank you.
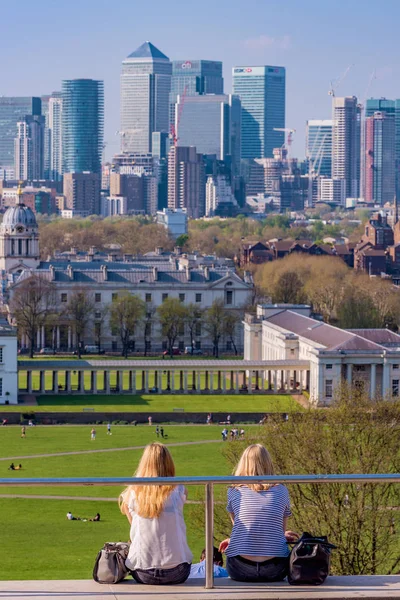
(8, 363)
(368, 359)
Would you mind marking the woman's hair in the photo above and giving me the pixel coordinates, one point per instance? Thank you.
(255, 460)
(156, 461)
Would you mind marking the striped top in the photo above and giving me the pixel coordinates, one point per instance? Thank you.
(258, 526)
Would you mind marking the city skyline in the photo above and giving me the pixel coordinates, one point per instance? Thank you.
(267, 34)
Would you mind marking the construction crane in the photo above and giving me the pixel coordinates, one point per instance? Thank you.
(175, 126)
(336, 82)
(290, 133)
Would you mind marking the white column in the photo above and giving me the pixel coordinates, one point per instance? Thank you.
(121, 380)
(29, 381)
(185, 381)
(301, 376)
(223, 375)
(159, 382)
(172, 380)
(320, 389)
(386, 379)
(106, 382)
(69, 338)
(43, 336)
(133, 382)
(211, 380)
(55, 382)
(236, 382)
(349, 374)
(93, 383)
(58, 337)
(38, 338)
(287, 377)
(372, 390)
(276, 382)
(146, 382)
(198, 382)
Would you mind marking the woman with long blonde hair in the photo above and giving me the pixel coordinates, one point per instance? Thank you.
(257, 549)
(159, 553)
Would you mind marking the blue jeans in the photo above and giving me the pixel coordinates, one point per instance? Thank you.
(173, 576)
(242, 569)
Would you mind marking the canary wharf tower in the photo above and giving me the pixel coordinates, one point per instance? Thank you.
(145, 88)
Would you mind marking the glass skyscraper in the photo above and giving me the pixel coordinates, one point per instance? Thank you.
(380, 158)
(262, 91)
(346, 143)
(13, 110)
(319, 146)
(145, 88)
(82, 125)
(195, 77)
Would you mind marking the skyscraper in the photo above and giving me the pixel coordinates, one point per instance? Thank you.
(186, 180)
(195, 77)
(29, 148)
(145, 88)
(346, 131)
(319, 146)
(82, 125)
(380, 182)
(212, 123)
(55, 136)
(13, 110)
(262, 93)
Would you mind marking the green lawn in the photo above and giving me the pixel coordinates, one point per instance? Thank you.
(152, 403)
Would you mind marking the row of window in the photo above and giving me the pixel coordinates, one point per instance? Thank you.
(181, 345)
(329, 387)
(148, 297)
(361, 368)
(148, 327)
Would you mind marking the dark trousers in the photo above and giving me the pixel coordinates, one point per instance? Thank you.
(172, 576)
(242, 569)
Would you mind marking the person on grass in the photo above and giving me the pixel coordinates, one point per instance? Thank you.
(199, 569)
(257, 549)
(159, 553)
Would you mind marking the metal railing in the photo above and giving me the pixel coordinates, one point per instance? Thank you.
(209, 483)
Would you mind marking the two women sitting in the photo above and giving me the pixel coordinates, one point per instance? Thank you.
(257, 549)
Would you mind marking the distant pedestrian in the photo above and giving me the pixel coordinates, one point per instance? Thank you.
(242, 433)
(30, 423)
(208, 421)
(23, 431)
(4, 423)
(346, 501)
(228, 419)
(109, 432)
(157, 431)
(224, 434)
(162, 431)
(150, 420)
(93, 434)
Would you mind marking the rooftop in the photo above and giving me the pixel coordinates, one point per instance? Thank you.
(148, 50)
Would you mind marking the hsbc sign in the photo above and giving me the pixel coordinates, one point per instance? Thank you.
(243, 70)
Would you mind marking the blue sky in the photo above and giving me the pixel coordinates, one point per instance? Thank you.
(46, 41)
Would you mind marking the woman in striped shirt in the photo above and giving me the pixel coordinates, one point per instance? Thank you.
(257, 549)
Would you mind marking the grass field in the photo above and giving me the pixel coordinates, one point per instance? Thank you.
(160, 403)
(67, 549)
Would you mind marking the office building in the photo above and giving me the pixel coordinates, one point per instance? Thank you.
(262, 93)
(145, 166)
(194, 78)
(29, 148)
(175, 220)
(212, 123)
(332, 191)
(82, 194)
(54, 137)
(319, 146)
(380, 181)
(145, 89)
(186, 180)
(12, 110)
(82, 125)
(346, 141)
(219, 197)
(130, 187)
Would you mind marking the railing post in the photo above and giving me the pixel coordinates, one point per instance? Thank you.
(209, 536)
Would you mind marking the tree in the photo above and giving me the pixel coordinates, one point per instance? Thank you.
(32, 304)
(79, 312)
(100, 321)
(181, 240)
(193, 314)
(147, 325)
(126, 312)
(231, 321)
(214, 319)
(288, 289)
(356, 435)
(171, 314)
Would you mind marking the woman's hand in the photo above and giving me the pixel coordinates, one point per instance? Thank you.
(224, 545)
(291, 536)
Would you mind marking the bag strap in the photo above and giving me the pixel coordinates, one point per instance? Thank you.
(314, 541)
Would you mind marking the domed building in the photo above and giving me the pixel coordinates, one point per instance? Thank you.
(19, 238)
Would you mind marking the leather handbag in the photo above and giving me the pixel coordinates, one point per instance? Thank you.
(310, 560)
(110, 563)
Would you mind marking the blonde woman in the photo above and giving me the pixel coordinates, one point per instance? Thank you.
(257, 549)
(159, 553)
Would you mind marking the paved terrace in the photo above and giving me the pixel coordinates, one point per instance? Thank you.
(335, 588)
(182, 376)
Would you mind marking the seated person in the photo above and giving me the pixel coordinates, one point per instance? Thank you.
(96, 517)
(11, 467)
(70, 517)
(18, 467)
(198, 570)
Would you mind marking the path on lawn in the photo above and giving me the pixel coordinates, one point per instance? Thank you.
(26, 457)
(43, 497)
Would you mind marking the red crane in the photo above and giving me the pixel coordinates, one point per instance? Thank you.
(173, 128)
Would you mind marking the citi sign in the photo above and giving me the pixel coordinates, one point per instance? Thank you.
(186, 65)
(248, 70)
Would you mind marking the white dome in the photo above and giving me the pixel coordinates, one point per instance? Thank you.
(18, 215)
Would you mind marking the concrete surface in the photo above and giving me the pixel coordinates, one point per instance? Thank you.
(335, 588)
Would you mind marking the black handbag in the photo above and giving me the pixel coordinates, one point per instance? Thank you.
(310, 560)
(110, 563)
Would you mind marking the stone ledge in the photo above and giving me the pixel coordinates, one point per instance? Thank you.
(335, 588)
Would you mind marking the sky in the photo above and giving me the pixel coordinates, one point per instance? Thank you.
(46, 41)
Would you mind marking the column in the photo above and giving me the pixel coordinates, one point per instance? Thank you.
(198, 382)
(180, 380)
(146, 382)
(69, 338)
(185, 382)
(133, 382)
(211, 381)
(93, 382)
(236, 382)
(41, 382)
(106, 382)
(232, 386)
(294, 381)
(29, 382)
(81, 382)
(38, 339)
(321, 391)
(349, 374)
(58, 337)
(224, 382)
(159, 382)
(386, 379)
(117, 381)
(301, 379)
(276, 382)
(372, 390)
(55, 382)
(172, 381)
(43, 341)
(68, 381)
(206, 378)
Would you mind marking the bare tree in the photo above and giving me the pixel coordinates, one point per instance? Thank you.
(214, 323)
(99, 324)
(147, 325)
(193, 315)
(126, 312)
(79, 312)
(171, 314)
(32, 304)
(231, 320)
